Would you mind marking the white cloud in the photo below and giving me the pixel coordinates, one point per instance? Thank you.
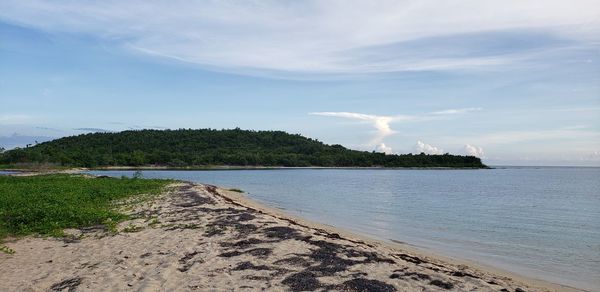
(382, 123)
(574, 143)
(421, 147)
(333, 37)
(474, 151)
(456, 111)
(594, 156)
(383, 148)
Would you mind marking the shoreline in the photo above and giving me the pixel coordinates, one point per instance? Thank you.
(420, 269)
(229, 167)
(396, 245)
(234, 167)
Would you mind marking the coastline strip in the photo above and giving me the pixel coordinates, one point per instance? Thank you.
(198, 236)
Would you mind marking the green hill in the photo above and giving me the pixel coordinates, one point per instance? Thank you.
(206, 147)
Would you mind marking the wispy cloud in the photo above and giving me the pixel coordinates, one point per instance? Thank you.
(141, 127)
(456, 111)
(594, 156)
(135, 126)
(564, 133)
(92, 130)
(333, 37)
(49, 129)
(16, 119)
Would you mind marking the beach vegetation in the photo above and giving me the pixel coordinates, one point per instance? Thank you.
(6, 249)
(47, 204)
(131, 228)
(154, 222)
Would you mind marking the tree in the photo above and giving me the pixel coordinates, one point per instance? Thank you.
(186, 147)
(137, 158)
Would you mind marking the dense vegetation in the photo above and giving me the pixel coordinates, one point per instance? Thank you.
(46, 204)
(184, 148)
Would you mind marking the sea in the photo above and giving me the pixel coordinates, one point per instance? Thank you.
(541, 222)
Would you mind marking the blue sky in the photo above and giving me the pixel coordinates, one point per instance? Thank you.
(514, 83)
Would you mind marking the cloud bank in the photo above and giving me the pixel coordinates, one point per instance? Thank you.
(594, 156)
(383, 148)
(421, 147)
(329, 37)
(474, 151)
(382, 123)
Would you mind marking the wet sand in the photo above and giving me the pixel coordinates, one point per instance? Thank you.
(200, 237)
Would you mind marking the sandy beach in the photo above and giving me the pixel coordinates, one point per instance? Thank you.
(200, 237)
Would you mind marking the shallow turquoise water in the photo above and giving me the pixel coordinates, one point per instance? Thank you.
(541, 222)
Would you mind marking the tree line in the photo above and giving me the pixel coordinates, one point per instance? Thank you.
(206, 147)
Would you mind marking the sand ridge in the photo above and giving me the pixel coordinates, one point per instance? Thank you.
(200, 237)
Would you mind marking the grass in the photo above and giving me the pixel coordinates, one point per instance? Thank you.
(236, 190)
(47, 204)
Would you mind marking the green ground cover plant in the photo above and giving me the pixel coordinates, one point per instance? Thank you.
(47, 204)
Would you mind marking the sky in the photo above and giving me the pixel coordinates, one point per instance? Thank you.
(513, 82)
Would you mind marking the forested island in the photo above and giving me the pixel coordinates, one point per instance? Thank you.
(210, 147)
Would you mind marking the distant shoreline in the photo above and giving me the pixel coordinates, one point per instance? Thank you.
(222, 167)
(241, 167)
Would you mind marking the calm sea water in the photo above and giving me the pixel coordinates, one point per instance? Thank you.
(540, 222)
